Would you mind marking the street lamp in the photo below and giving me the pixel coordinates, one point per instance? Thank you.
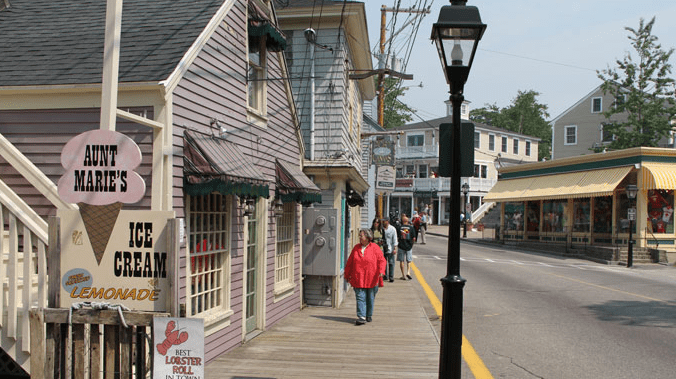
(465, 191)
(456, 33)
(632, 190)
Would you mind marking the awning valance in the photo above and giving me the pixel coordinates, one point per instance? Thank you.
(294, 185)
(214, 164)
(261, 26)
(659, 176)
(560, 186)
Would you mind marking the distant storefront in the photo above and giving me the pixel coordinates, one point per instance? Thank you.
(583, 200)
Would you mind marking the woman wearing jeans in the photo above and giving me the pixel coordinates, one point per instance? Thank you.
(364, 270)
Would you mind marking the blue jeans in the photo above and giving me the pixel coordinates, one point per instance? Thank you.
(389, 268)
(365, 298)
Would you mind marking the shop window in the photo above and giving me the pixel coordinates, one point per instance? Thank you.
(603, 214)
(514, 216)
(661, 211)
(554, 216)
(621, 209)
(581, 215)
(209, 270)
(284, 261)
(533, 216)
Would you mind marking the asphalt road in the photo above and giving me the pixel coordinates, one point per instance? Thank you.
(531, 315)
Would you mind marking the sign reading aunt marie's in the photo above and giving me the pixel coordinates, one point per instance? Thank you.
(100, 169)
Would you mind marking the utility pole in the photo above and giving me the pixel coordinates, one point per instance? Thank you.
(382, 60)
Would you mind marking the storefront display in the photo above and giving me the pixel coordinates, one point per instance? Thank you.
(514, 216)
(603, 214)
(554, 216)
(581, 215)
(622, 206)
(533, 216)
(661, 211)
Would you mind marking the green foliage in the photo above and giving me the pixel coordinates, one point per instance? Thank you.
(643, 91)
(396, 113)
(525, 116)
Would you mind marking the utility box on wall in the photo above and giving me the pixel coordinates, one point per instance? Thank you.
(320, 250)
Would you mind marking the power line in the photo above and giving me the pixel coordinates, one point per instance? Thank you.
(538, 60)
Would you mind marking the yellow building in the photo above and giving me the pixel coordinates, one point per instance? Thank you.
(582, 202)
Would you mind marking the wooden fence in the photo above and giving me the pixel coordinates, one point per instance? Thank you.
(94, 344)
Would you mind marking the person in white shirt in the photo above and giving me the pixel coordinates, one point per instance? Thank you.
(392, 242)
(424, 219)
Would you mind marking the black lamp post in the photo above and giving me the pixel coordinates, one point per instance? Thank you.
(632, 190)
(456, 33)
(465, 191)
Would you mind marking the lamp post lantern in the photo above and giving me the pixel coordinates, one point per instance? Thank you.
(465, 191)
(632, 190)
(456, 34)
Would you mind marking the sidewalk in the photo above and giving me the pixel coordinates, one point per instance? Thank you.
(323, 342)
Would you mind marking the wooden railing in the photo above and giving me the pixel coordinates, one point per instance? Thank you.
(91, 343)
(23, 269)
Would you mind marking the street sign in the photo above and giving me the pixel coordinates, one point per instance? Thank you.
(631, 214)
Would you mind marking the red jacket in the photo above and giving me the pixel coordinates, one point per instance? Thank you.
(364, 271)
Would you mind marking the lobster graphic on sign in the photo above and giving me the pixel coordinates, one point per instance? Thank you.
(174, 337)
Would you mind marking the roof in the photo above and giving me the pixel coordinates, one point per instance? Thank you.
(46, 42)
(434, 124)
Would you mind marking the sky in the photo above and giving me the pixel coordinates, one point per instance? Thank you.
(553, 47)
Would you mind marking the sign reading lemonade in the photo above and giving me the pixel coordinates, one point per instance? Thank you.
(109, 254)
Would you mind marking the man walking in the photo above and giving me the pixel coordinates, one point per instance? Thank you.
(390, 233)
(424, 218)
(407, 237)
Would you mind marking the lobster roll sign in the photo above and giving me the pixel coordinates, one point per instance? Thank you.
(178, 348)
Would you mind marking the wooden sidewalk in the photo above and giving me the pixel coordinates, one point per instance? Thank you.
(320, 342)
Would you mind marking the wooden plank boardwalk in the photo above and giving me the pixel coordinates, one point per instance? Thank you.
(321, 342)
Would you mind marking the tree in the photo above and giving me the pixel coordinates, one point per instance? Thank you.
(525, 116)
(396, 113)
(642, 90)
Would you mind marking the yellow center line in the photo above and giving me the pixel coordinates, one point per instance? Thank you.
(476, 365)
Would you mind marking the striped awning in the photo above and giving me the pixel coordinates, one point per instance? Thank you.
(659, 176)
(559, 186)
(294, 185)
(212, 164)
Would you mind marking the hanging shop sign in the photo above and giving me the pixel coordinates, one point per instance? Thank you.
(178, 348)
(100, 169)
(382, 152)
(117, 257)
(385, 177)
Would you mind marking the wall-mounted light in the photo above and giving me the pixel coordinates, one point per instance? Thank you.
(278, 207)
(222, 131)
(248, 205)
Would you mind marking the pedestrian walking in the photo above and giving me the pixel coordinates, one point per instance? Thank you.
(424, 219)
(390, 233)
(364, 271)
(407, 238)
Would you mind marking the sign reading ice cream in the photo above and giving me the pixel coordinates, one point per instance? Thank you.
(109, 254)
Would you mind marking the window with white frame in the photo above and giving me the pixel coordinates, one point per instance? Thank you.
(209, 255)
(596, 105)
(477, 140)
(410, 171)
(480, 171)
(415, 139)
(284, 257)
(606, 135)
(422, 171)
(504, 144)
(515, 146)
(491, 142)
(256, 86)
(570, 137)
(528, 148)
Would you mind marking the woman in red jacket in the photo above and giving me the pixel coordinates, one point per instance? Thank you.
(364, 271)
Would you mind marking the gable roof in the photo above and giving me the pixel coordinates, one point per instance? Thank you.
(46, 42)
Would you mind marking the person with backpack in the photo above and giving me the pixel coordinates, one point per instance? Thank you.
(407, 237)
